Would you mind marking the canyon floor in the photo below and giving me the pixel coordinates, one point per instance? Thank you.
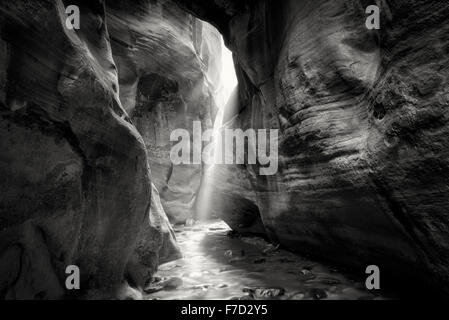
(218, 264)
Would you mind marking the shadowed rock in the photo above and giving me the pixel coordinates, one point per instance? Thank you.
(363, 168)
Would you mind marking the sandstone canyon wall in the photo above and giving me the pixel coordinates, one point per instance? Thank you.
(363, 156)
(363, 175)
(169, 65)
(76, 186)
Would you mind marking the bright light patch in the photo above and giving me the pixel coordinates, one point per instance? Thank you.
(227, 83)
(228, 76)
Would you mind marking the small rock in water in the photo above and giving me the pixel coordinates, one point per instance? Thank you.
(270, 249)
(228, 253)
(305, 275)
(152, 288)
(203, 287)
(264, 293)
(157, 279)
(221, 286)
(318, 294)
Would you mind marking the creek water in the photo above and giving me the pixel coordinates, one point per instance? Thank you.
(219, 265)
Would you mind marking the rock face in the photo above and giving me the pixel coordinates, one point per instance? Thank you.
(363, 163)
(156, 244)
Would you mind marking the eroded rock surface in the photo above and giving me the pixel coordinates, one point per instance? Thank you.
(168, 65)
(363, 174)
(75, 181)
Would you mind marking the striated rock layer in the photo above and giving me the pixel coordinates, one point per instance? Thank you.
(363, 175)
(168, 66)
(363, 165)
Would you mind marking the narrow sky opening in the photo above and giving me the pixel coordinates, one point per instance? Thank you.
(228, 77)
(227, 84)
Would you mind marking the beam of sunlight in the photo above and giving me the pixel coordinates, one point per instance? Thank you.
(227, 84)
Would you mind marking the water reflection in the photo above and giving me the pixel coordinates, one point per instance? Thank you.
(217, 266)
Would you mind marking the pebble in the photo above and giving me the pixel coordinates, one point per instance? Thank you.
(305, 275)
(270, 249)
(153, 288)
(334, 289)
(297, 296)
(203, 287)
(318, 294)
(228, 253)
(273, 275)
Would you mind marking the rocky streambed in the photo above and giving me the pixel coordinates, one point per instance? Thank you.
(219, 264)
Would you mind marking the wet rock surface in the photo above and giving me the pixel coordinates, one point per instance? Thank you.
(216, 266)
(76, 186)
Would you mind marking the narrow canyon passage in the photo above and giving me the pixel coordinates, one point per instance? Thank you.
(218, 264)
(295, 121)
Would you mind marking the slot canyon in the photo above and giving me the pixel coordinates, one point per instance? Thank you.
(86, 116)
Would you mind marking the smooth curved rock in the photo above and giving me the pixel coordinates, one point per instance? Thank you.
(363, 171)
(363, 167)
(76, 182)
(168, 65)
